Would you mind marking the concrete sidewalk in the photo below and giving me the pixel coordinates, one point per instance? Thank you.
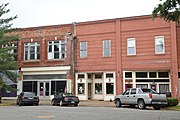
(90, 103)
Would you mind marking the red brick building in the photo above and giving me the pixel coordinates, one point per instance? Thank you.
(99, 59)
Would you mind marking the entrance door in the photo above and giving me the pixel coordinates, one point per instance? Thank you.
(44, 90)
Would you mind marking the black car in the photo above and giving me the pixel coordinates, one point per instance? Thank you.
(29, 98)
(65, 99)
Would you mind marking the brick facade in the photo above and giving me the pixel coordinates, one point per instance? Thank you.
(142, 28)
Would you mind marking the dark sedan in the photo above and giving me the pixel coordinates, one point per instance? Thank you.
(29, 98)
(65, 99)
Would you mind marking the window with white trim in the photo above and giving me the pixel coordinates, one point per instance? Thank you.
(106, 48)
(32, 51)
(83, 49)
(56, 50)
(159, 45)
(131, 46)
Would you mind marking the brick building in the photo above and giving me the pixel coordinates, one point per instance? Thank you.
(99, 59)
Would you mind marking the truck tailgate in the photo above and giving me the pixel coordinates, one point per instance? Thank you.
(157, 97)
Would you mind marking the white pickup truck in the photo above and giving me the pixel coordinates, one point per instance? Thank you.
(142, 97)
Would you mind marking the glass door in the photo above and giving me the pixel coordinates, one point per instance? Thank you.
(44, 90)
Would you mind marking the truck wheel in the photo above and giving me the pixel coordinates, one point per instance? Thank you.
(118, 103)
(156, 107)
(141, 104)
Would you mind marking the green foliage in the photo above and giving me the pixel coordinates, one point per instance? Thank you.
(168, 10)
(172, 102)
(7, 57)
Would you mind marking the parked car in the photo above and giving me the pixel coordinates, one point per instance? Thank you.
(65, 99)
(141, 97)
(29, 98)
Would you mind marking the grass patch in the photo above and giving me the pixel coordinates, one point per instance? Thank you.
(7, 104)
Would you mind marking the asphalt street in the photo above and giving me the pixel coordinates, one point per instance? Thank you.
(83, 113)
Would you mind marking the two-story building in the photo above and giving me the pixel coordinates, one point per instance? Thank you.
(113, 55)
(99, 59)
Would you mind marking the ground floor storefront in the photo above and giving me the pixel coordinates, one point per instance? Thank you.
(95, 85)
(159, 81)
(45, 81)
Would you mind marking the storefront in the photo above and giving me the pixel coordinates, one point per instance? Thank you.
(45, 81)
(96, 86)
(159, 81)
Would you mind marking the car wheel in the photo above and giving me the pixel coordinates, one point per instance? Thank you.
(118, 103)
(60, 103)
(75, 105)
(156, 107)
(36, 104)
(141, 104)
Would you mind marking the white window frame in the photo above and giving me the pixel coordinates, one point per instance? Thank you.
(131, 46)
(51, 55)
(157, 39)
(83, 50)
(107, 48)
(28, 45)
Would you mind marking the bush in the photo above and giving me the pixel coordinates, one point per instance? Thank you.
(172, 102)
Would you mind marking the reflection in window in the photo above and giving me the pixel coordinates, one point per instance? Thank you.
(106, 48)
(109, 88)
(159, 45)
(163, 88)
(83, 49)
(56, 49)
(80, 88)
(32, 51)
(98, 88)
(131, 46)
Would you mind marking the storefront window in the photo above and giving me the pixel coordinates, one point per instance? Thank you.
(109, 88)
(80, 75)
(98, 88)
(142, 85)
(152, 75)
(163, 88)
(163, 74)
(141, 74)
(128, 74)
(80, 88)
(30, 86)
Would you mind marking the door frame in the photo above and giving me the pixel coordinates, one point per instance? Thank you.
(43, 94)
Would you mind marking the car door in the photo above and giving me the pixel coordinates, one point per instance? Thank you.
(125, 97)
(132, 96)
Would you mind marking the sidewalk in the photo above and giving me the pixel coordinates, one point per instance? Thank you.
(90, 103)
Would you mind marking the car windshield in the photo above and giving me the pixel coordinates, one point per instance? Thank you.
(67, 94)
(29, 94)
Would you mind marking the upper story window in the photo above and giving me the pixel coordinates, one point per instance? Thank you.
(159, 45)
(32, 51)
(131, 46)
(83, 49)
(56, 50)
(106, 48)
(12, 48)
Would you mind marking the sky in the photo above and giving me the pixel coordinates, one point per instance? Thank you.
(34, 13)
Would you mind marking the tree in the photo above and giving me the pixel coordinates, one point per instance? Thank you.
(169, 10)
(7, 57)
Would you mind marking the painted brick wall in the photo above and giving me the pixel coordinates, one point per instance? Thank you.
(94, 33)
(145, 30)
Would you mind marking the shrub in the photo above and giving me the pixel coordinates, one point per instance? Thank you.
(172, 102)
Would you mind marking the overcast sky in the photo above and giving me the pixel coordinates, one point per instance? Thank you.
(32, 13)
